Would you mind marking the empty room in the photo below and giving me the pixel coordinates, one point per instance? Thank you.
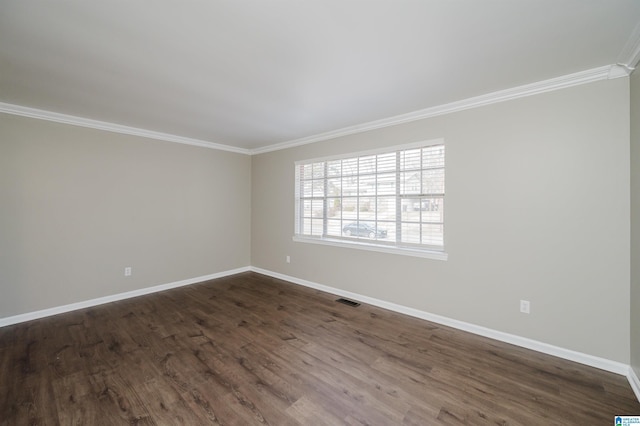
(320, 212)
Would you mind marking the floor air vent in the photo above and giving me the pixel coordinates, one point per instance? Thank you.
(348, 302)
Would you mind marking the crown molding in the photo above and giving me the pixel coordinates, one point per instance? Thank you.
(629, 57)
(619, 71)
(112, 127)
(583, 77)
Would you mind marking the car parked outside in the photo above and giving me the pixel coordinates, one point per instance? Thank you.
(362, 229)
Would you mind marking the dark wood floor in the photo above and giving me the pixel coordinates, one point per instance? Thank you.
(250, 349)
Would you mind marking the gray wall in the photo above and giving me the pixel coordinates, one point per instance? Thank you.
(537, 209)
(635, 222)
(78, 205)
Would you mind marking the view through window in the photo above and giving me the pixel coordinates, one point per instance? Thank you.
(393, 198)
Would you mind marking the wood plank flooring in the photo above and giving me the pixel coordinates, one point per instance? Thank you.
(250, 349)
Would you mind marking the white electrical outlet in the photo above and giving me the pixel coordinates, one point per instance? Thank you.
(525, 306)
(127, 271)
(288, 259)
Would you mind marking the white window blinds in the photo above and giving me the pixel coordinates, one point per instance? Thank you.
(391, 198)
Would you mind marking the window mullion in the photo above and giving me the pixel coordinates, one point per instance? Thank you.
(398, 201)
(325, 224)
(301, 202)
(357, 190)
(341, 196)
(421, 192)
(375, 195)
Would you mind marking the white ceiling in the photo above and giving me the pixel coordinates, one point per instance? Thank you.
(253, 73)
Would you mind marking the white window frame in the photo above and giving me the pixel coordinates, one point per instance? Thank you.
(418, 250)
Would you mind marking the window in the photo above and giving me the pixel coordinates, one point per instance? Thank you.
(389, 200)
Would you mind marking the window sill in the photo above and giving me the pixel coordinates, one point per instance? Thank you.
(427, 254)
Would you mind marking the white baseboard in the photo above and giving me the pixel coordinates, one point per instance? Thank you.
(590, 360)
(113, 298)
(634, 382)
